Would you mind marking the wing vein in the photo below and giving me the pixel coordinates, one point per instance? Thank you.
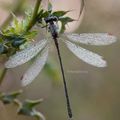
(35, 68)
(92, 38)
(86, 55)
(25, 55)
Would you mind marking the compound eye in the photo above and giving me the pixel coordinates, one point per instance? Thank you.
(55, 18)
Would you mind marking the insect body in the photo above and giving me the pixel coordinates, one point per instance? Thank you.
(51, 20)
(53, 29)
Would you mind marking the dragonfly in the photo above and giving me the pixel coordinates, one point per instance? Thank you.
(40, 50)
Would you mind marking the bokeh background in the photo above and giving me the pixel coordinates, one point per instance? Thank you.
(94, 92)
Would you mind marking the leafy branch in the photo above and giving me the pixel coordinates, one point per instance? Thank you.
(14, 33)
(26, 108)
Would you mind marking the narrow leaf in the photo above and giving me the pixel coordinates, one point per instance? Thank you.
(59, 13)
(27, 109)
(64, 21)
(8, 98)
(49, 7)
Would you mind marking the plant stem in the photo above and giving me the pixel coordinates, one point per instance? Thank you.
(16, 9)
(33, 19)
(3, 75)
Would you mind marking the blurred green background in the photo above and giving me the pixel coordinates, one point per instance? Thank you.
(94, 92)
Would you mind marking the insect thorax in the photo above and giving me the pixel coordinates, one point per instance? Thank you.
(52, 25)
(51, 19)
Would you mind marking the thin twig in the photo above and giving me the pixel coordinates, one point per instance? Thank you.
(33, 19)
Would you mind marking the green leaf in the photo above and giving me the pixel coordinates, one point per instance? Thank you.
(15, 21)
(27, 108)
(9, 98)
(64, 21)
(30, 34)
(28, 15)
(59, 13)
(29, 104)
(49, 7)
(18, 42)
(45, 14)
(18, 26)
(41, 17)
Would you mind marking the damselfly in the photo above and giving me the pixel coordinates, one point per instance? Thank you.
(41, 48)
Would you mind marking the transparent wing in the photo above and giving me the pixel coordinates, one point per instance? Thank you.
(26, 54)
(85, 55)
(35, 68)
(93, 38)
